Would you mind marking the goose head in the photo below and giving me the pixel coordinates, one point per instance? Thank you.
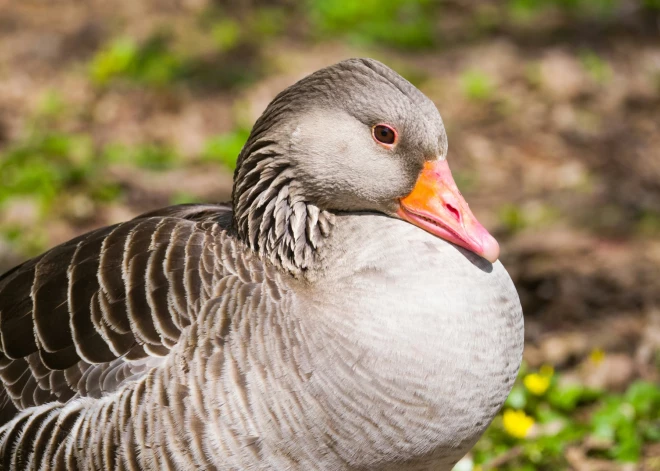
(353, 137)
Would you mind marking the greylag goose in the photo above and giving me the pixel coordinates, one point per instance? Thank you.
(345, 312)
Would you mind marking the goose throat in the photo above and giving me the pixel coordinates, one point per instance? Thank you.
(271, 214)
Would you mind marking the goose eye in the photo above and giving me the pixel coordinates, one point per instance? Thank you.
(384, 134)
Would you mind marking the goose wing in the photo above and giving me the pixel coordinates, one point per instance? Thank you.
(102, 309)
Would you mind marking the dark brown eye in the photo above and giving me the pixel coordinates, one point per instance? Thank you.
(384, 134)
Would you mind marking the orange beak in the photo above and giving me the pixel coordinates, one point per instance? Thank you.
(437, 206)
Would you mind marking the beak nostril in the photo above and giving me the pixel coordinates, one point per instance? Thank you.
(453, 211)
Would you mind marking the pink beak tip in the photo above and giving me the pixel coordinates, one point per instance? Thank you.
(489, 247)
(491, 250)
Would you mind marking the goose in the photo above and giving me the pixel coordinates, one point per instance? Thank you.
(346, 311)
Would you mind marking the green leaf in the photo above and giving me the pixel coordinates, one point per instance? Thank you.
(226, 34)
(517, 398)
(226, 147)
(149, 63)
(567, 397)
(477, 85)
(401, 23)
(116, 59)
(645, 398)
(599, 70)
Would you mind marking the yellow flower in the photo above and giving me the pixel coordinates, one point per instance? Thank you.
(597, 356)
(517, 423)
(536, 383)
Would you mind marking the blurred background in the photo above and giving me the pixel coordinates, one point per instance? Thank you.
(552, 107)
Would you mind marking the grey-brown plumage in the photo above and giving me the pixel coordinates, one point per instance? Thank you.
(301, 328)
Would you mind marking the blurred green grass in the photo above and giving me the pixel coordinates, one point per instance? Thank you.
(225, 148)
(405, 24)
(150, 63)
